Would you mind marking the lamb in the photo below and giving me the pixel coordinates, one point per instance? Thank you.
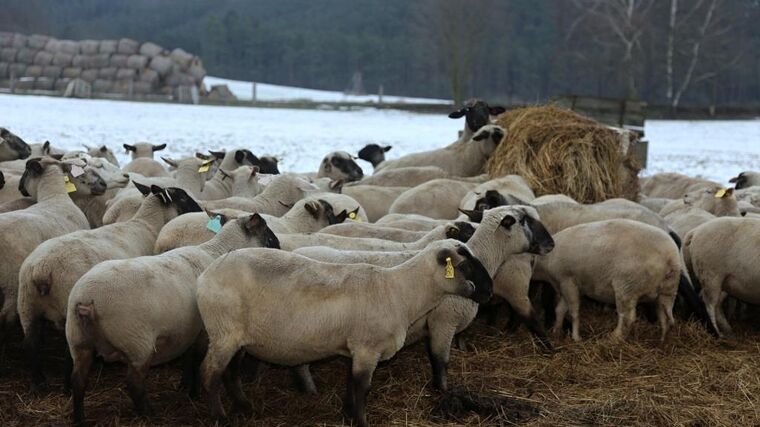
(102, 152)
(51, 270)
(364, 300)
(339, 165)
(143, 150)
(374, 153)
(53, 215)
(460, 160)
(719, 256)
(143, 311)
(375, 199)
(12, 147)
(672, 185)
(438, 199)
(745, 180)
(615, 261)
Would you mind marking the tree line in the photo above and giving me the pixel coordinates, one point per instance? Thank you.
(672, 52)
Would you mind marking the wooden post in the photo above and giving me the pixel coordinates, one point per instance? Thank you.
(253, 92)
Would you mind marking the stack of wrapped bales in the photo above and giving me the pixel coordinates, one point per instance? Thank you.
(109, 66)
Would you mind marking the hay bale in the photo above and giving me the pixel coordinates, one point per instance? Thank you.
(17, 69)
(80, 61)
(108, 46)
(44, 83)
(33, 71)
(62, 59)
(38, 41)
(182, 58)
(71, 72)
(78, 88)
(180, 79)
(122, 86)
(125, 74)
(118, 60)
(162, 65)
(197, 72)
(150, 50)
(26, 56)
(100, 60)
(108, 73)
(127, 47)
(89, 75)
(102, 85)
(4, 72)
(8, 54)
(68, 46)
(60, 84)
(52, 71)
(6, 39)
(25, 83)
(19, 41)
(89, 47)
(559, 151)
(149, 76)
(52, 45)
(142, 88)
(43, 58)
(137, 62)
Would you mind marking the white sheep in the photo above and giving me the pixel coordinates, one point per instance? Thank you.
(375, 199)
(745, 180)
(143, 150)
(363, 229)
(672, 185)
(340, 166)
(12, 147)
(438, 199)
(103, 152)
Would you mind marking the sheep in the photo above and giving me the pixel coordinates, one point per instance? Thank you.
(363, 312)
(461, 160)
(375, 199)
(2, 180)
(103, 152)
(750, 195)
(404, 177)
(614, 261)
(53, 215)
(438, 199)
(552, 198)
(307, 216)
(713, 199)
(268, 165)
(51, 270)
(655, 204)
(509, 185)
(12, 147)
(143, 311)
(143, 150)
(672, 185)
(374, 153)
(745, 180)
(411, 222)
(17, 204)
(146, 167)
(720, 258)
(356, 229)
(339, 165)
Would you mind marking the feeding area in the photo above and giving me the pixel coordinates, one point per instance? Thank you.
(192, 265)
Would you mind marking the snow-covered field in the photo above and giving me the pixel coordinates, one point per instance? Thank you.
(269, 92)
(716, 150)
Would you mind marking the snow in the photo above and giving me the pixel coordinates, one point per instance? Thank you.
(268, 92)
(714, 149)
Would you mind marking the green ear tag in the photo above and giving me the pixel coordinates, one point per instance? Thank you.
(215, 224)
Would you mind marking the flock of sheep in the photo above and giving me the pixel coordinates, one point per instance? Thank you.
(219, 255)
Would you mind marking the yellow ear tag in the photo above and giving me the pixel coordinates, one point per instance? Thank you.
(353, 217)
(204, 166)
(449, 269)
(70, 187)
(720, 193)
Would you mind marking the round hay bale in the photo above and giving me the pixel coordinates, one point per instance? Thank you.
(68, 46)
(71, 72)
(100, 60)
(52, 45)
(38, 41)
(198, 72)
(44, 83)
(102, 85)
(137, 62)
(8, 54)
(125, 74)
(122, 86)
(182, 58)
(118, 60)
(43, 58)
(108, 46)
(162, 65)
(127, 47)
(52, 71)
(26, 56)
(142, 88)
(149, 76)
(80, 61)
(150, 49)
(89, 75)
(33, 71)
(25, 83)
(4, 73)
(62, 59)
(60, 84)
(6, 39)
(19, 41)
(559, 151)
(108, 73)
(89, 47)
(180, 79)
(16, 69)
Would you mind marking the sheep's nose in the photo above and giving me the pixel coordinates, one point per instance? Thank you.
(125, 175)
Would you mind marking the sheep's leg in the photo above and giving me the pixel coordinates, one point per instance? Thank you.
(82, 358)
(302, 378)
(626, 308)
(348, 398)
(34, 338)
(524, 308)
(68, 366)
(549, 303)
(573, 299)
(665, 314)
(560, 311)
(234, 385)
(721, 317)
(191, 369)
(213, 366)
(362, 367)
(136, 387)
(439, 349)
(711, 297)
(7, 315)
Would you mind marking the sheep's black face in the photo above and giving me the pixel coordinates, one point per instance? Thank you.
(492, 199)
(466, 230)
(477, 114)
(374, 153)
(268, 164)
(182, 201)
(2, 180)
(740, 181)
(332, 218)
(474, 271)
(348, 167)
(540, 241)
(15, 146)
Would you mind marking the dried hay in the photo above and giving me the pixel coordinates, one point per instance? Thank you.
(560, 152)
(690, 380)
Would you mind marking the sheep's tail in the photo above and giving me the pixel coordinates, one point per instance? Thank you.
(675, 238)
(695, 303)
(86, 318)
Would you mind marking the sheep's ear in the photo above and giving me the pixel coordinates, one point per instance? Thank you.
(56, 156)
(496, 110)
(254, 223)
(217, 154)
(170, 162)
(159, 147)
(442, 256)
(34, 166)
(728, 193)
(497, 135)
(129, 148)
(481, 135)
(104, 149)
(452, 231)
(144, 189)
(161, 193)
(252, 159)
(239, 156)
(736, 178)
(475, 216)
(387, 148)
(508, 221)
(312, 208)
(222, 217)
(202, 156)
(457, 114)
(254, 171)
(336, 186)
(46, 147)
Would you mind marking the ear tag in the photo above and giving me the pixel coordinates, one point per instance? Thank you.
(70, 187)
(76, 171)
(449, 269)
(215, 224)
(720, 193)
(353, 217)
(205, 166)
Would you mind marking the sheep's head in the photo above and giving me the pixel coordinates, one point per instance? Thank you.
(491, 199)
(340, 165)
(459, 272)
(268, 165)
(12, 147)
(745, 180)
(514, 230)
(488, 137)
(102, 152)
(87, 181)
(111, 173)
(255, 227)
(714, 199)
(460, 230)
(374, 153)
(35, 169)
(323, 212)
(477, 113)
(173, 197)
(143, 149)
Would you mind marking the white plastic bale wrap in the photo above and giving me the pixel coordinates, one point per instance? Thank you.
(26, 56)
(71, 72)
(108, 73)
(119, 60)
(78, 88)
(25, 83)
(100, 60)
(137, 62)
(51, 71)
(125, 74)
(127, 47)
(80, 61)
(62, 59)
(37, 41)
(6, 39)
(89, 75)
(19, 41)
(150, 49)
(108, 46)
(142, 88)
(8, 54)
(89, 47)
(162, 65)
(44, 83)
(198, 72)
(68, 46)
(182, 58)
(60, 84)
(43, 58)
(33, 71)
(149, 76)
(102, 85)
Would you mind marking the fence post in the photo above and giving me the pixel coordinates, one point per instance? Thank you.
(380, 94)
(13, 81)
(253, 92)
